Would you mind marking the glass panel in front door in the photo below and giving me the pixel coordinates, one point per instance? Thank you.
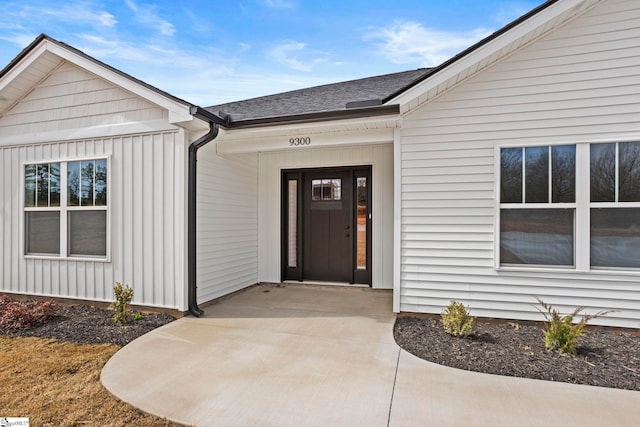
(361, 191)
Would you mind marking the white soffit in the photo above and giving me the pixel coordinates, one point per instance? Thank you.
(506, 44)
(48, 55)
(361, 131)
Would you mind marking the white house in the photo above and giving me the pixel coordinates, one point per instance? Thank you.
(510, 172)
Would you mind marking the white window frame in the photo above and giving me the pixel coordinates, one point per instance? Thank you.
(64, 210)
(607, 205)
(582, 217)
(577, 225)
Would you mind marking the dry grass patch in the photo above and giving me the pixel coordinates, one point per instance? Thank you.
(58, 384)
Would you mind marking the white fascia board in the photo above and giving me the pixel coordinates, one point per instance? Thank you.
(504, 40)
(178, 112)
(361, 123)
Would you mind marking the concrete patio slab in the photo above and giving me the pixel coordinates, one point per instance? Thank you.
(303, 355)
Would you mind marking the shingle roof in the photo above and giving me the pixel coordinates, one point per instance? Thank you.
(330, 97)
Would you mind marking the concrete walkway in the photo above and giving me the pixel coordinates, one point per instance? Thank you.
(305, 355)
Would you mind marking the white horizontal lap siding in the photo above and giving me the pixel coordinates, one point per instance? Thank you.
(271, 166)
(580, 83)
(227, 222)
(147, 199)
(72, 98)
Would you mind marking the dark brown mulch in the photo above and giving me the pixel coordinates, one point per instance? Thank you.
(605, 357)
(87, 324)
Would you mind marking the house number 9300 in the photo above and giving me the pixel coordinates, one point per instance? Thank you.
(299, 141)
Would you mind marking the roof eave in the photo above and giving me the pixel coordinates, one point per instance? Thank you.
(472, 49)
(323, 116)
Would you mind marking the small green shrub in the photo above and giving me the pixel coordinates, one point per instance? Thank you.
(456, 319)
(560, 333)
(123, 295)
(138, 316)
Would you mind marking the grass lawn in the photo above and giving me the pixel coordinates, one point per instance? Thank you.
(57, 383)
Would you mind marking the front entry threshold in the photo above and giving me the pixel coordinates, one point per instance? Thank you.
(314, 282)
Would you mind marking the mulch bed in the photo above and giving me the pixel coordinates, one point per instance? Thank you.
(605, 357)
(87, 324)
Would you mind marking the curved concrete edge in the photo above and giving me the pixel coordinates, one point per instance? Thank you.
(427, 393)
(258, 359)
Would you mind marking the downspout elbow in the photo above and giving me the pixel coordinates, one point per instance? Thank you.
(191, 217)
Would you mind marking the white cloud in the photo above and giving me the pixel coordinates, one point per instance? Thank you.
(76, 12)
(146, 15)
(297, 56)
(405, 42)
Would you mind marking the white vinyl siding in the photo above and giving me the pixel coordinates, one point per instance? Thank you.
(147, 210)
(271, 165)
(71, 99)
(227, 222)
(578, 84)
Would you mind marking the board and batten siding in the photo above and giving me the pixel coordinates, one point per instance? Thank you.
(227, 222)
(380, 157)
(580, 83)
(147, 214)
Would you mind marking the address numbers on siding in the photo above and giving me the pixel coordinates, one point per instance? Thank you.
(300, 141)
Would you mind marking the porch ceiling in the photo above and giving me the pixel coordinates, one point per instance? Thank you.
(376, 130)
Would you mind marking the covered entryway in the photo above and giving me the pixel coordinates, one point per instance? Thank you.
(326, 225)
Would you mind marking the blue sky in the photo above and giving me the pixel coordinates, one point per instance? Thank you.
(211, 52)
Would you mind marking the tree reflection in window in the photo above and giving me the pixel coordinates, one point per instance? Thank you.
(87, 183)
(615, 172)
(42, 185)
(537, 174)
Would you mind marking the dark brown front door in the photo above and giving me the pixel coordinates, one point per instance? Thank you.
(326, 223)
(328, 234)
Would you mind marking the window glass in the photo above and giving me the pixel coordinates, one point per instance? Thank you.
(615, 237)
(536, 174)
(511, 175)
(42, 232)
(42, 185)
(316, 189)
(88, 232)
(293, 224)
(537, 236)
(563, 174)
(326, 189)
(101, 182)
(87, 183)
(30, 185)
(603, 172)
(73, 183)
(629, 171)
(361, 193)
(336, 189)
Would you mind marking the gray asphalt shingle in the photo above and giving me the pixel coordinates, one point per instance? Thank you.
(330, 97)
